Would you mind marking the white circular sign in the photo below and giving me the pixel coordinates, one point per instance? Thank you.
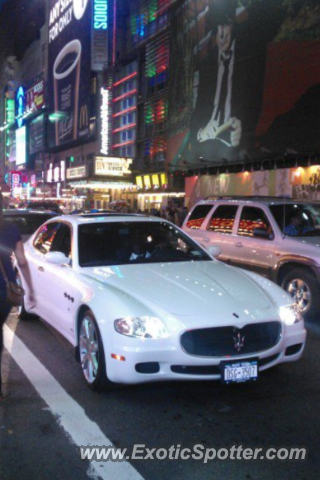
(79, 7)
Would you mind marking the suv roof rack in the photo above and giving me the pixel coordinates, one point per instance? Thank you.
(247, 197)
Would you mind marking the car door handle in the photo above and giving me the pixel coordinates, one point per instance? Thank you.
(239, 244)
(41, 269)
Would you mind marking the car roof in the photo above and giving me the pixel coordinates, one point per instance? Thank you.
(26, 211)
(255, 199)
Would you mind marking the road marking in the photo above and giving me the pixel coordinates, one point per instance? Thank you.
(68, 413)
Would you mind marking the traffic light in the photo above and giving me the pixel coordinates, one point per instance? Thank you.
(71, 159)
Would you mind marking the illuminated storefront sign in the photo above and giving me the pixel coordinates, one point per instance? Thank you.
(62, 170)
(139, 182)
(21, 146)
(164, 179)
(104, 116)
(113, 166)
(147, 181)
(76, 172)
(33, 180)
(56, 174)
(9, 115)
(20, 106)
(15, 180)
(155, 180)
(50, 173)
(9, 119)
(99, 35)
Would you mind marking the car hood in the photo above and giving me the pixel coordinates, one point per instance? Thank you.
(186, 288)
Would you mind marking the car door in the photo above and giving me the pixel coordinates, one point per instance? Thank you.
(35, 253)
(219, 230)
(63, 283)
(254, 243)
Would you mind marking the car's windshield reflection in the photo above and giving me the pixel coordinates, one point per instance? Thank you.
(122, 243)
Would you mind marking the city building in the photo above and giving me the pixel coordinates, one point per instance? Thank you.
(152, 102)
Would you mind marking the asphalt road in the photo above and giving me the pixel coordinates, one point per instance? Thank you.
(281, 409)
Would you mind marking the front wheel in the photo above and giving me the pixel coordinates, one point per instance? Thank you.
(91, 353)
(304, 289)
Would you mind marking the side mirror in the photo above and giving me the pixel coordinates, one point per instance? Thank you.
(57, 258)
(214, 250)
(262, 233)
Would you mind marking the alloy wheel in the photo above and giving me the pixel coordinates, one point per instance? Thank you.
(300, 292)
(89, 349)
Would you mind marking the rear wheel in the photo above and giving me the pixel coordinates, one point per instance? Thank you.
(304, 289)
(91, 353)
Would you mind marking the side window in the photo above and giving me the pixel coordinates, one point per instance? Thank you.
(222, 219)
(62, 240)
(197, 216)
(45, 237)
(251, 218)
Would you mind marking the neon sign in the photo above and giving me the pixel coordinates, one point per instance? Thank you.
(104, 116)
(100, 14)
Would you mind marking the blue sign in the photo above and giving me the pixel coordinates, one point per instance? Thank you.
(20, 106)
(100, 14)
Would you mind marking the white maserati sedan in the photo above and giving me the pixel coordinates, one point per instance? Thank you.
(141, 301)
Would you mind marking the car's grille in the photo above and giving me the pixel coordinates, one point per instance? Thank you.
(231, 341)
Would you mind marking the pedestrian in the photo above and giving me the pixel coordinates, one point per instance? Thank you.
(10, 242)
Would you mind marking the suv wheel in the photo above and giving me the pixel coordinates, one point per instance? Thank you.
(303, 287)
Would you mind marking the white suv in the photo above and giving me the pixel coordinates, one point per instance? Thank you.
(277, 238)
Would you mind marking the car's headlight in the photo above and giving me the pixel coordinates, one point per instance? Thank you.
(141, 327)
(290, 314)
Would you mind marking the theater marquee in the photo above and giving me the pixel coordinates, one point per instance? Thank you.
(113, 166)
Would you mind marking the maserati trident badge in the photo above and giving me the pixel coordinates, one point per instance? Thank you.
(238, 341)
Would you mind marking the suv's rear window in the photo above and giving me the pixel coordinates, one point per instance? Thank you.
(197, 216)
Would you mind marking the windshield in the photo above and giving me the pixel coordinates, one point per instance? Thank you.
(298, 220)
(122, 243)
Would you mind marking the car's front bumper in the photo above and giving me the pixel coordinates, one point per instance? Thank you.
(135, 358)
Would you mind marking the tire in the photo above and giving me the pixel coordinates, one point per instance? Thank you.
(91, 353)
(304, 288)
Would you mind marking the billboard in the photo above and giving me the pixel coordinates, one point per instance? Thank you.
(36, 135)
(35, 97)
(68, 70)
(244, 79)
(99, 35)
(21, 146)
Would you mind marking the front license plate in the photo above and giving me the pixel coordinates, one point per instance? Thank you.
(246, 371)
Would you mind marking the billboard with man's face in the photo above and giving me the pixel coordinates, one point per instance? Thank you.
(244, 80)
(68, 70)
